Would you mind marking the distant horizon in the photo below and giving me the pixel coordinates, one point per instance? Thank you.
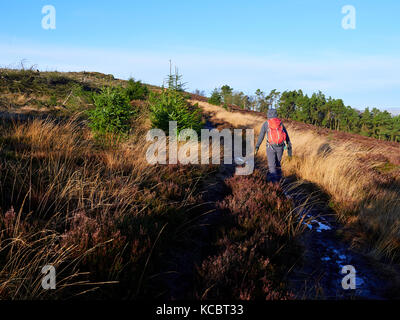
(393, 110)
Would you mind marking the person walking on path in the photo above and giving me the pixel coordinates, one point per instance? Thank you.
(277, 141)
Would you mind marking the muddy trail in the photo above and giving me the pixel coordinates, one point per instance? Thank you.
(319, 274)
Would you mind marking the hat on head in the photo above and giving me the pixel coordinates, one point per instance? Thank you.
(272, 113)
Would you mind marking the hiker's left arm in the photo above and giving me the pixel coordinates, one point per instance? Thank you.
(288, 143)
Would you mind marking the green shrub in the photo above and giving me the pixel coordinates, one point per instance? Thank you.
(112, 113)
(136, 90)
(216, 98)
(170, 105)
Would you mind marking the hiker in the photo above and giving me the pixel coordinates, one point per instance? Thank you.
(277, 141)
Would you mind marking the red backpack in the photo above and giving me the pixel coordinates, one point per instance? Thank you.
(276, 135)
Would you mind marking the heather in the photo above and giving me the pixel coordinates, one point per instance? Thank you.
(256, 244)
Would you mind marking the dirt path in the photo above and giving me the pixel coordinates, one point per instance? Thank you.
(319, 274)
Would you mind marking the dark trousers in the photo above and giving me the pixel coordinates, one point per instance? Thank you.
(274, 156)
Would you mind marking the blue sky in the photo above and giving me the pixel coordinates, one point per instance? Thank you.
(286, 44)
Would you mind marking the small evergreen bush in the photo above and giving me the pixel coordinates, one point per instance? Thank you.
(216, 98)
(171, 105)
(112, 113)
(136, 90)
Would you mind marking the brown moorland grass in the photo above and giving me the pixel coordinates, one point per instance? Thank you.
(361, 175)
(105, 219)
(102, 217)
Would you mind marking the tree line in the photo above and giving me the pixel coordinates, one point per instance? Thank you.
(316, 109)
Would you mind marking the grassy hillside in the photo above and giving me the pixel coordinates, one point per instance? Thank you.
(56, 92)
(115, 226)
